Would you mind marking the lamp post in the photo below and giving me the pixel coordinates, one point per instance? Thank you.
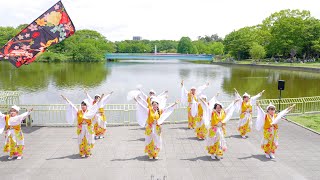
(280, 88)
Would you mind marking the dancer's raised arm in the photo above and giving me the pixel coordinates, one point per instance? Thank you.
(282, 113)
(184, 94)
(140, 104)
(236, 93)
(163, 93)
(229, 110)
(2, 122)
(256, 97)
(261, 115)
(88, 96)
(14, 121)
(71, 110)
(200, 89)
(104, 100)
(141, 112)
(207, 110)
(143, 94)
(213, 100)
(167, 112)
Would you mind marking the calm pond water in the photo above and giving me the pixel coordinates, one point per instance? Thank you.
(42, 83)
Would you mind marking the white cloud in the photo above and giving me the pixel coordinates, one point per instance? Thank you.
(166, 19)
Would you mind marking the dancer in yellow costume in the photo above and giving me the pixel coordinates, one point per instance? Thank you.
(11, 124)
(191, 98)
(216, 143)
(245, 108)
(84, 117)
(201, 130)
(269, 122)
(155, 117)
(100, 122)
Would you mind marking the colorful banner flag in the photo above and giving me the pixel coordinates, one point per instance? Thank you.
(50, 28)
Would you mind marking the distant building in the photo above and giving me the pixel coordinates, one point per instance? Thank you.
(137, 38)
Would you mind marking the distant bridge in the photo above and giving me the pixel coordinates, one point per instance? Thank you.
(158, 56)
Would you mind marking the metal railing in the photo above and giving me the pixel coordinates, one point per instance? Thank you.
(125, 114)
(8, 98)
(303, 105)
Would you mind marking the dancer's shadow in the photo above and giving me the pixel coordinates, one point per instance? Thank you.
(260, 157)
(5, 158)
(192, 138)
(139, 158)
(137, 129)
(183, 128)
(73, 156)
(201, 158)
(140, 139)
(234, 136)
(29, 130)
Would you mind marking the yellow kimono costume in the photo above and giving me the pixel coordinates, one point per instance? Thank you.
(85, 134)
(270, 135)
(100, 121)
(201, 130)
(100, 127)
(14, 140)
(153, 134)
(149, 101)
(191, 119)
(216, 143)
(245, 123)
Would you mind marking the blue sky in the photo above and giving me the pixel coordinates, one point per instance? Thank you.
(165, 19)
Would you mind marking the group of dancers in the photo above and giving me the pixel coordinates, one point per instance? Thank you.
(91, 125)
(208, 118)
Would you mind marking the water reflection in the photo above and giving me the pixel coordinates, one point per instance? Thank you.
(42, 83)
(80, 74)
(29, 78)
(253, 80)
(37, 76)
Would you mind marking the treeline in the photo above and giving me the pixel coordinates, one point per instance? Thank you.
(292, 34)
(285, 34)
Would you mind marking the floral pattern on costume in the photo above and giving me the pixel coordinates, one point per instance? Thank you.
(50, 28)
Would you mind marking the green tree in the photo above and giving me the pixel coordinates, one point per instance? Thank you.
(212, 38)
(316, 47)
(6, 33)
(201, 46)
(134, 46)
(84, 45)
(257, 52)
(238, 43)
(21, 27)
(164, 46)
(216, 48)
(185, 46)
(289, 32)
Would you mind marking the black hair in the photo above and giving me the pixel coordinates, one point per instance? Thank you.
(83, 103)
(270, 108)
(158, 111)
(216, 104)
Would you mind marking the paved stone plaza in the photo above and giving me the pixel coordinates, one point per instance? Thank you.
(52, 153)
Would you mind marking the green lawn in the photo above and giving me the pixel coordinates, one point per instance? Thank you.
(311, 121)
(309, 65)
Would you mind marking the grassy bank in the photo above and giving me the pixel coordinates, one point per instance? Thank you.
(51, 57)
(307, 65)
(311, 121)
